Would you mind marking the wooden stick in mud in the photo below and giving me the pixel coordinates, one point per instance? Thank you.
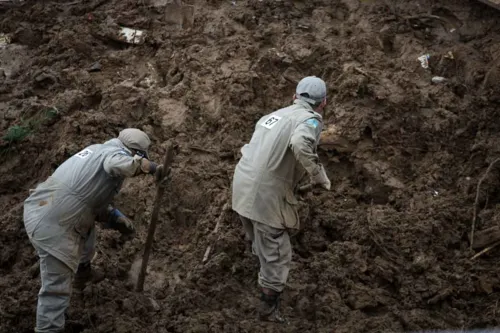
(160, 189)
(476, 202)
(225, 208)
(485, 250)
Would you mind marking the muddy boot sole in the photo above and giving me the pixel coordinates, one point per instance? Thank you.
(271, 313)
(274, 317)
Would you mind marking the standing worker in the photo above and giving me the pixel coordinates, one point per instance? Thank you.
(60, 214)
(281, 151)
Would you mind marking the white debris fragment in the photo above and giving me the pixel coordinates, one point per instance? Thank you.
(132, 36)
(438, 79)
(424, 60)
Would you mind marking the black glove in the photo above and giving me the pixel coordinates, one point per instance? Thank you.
(162, 175)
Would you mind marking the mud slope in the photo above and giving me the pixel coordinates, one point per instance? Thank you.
(386, 250)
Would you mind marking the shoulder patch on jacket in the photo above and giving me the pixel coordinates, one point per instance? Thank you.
(312, 122)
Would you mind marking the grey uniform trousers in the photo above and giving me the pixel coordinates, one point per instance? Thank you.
(55, 293)
(274, 250)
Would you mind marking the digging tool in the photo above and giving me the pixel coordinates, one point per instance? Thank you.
(160, 189)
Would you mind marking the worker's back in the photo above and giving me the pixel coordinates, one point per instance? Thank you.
(59, 213)
(265, 176)
(84, 174)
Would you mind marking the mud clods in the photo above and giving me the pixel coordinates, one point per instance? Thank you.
(386, 250)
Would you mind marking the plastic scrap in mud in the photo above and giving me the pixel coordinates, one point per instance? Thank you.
(424, 60)
(131, 36)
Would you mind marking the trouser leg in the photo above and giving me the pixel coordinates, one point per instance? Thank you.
(275, 255)
(55, 293)
(88, 247)
(85, 272)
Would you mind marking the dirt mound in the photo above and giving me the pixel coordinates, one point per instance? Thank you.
(386, 250)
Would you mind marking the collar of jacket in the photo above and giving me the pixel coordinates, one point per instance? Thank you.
(306, 106)
(117, 143)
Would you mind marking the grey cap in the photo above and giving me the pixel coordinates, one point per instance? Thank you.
(136, 139)
(313, 88)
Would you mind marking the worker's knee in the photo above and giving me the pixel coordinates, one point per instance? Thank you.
(273, 245)
(56, 277)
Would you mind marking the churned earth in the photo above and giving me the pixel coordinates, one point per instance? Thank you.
(387, 250)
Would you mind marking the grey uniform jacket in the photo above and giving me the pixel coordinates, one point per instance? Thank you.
(60, 212)
(282, 149)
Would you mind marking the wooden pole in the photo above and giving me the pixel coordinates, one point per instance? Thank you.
(160, 189)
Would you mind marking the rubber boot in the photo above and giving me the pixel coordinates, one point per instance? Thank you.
(86, 274)
(269, 309)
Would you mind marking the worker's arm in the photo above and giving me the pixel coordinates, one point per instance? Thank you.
(121, 164)
(302, 144)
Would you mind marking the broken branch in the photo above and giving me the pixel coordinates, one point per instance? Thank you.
(225, 208)
(476, 202)
(485, 250)
(416, 17)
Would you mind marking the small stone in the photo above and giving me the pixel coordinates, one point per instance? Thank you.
(96, 67)
(438, 79)
(45, 77)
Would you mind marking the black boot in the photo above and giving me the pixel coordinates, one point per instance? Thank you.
(269, 309)
(86, 274)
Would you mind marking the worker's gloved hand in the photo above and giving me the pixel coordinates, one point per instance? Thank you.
(118, 221)
(147, 166)
(159, 173)
(320, 178)
(162, 175)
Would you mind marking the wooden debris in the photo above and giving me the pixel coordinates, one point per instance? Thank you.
(474, 217)
(486, 250)
(486, 237)
(225, 209)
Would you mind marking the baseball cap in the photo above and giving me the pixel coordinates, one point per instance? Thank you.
(311, 89)
(136, 139)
